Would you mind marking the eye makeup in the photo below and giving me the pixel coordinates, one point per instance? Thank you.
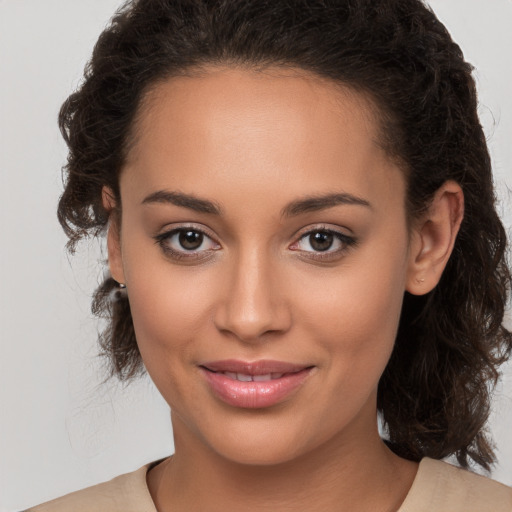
(194, 244)
(323, 243)
(187, 243)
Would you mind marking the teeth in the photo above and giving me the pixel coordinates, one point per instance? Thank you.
(261, 378)
(256, 378)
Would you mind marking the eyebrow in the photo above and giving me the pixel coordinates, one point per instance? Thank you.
(316, 203)
(298, 207)
(183, 200)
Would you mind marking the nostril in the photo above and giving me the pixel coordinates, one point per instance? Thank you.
(251, 307)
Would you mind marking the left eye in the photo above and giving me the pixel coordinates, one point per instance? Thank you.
(189, 240)
(323, 241)
(186, 240)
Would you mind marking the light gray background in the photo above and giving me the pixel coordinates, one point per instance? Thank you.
(61, 428)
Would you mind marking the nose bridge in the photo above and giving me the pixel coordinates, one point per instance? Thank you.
(253, 305)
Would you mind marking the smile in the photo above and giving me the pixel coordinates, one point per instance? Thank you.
(242, 377)
(254, 385)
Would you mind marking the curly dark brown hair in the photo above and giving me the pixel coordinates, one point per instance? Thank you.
(434, 395)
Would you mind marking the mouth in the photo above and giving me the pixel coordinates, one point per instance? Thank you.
(244, 377)
(254, 385)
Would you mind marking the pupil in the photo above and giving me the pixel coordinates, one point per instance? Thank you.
(321, 241)
(190, 239)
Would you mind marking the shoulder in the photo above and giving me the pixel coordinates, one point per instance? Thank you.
(442, 487)
(125, 493)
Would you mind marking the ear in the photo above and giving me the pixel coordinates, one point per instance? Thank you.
(433, 238)
(115, 260)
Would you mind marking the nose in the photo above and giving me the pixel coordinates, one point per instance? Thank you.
(253, 303)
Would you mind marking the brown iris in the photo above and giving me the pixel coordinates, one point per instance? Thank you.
(190, 240)
(321, 240)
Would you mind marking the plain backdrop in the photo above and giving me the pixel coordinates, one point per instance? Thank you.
(61, 428)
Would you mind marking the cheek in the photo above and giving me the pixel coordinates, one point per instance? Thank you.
(355, 315)
(168, 314)
(170, 307)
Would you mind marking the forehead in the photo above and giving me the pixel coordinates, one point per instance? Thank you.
(230, 97)
(247, 127)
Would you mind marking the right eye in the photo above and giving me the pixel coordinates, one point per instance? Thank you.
(186, 242)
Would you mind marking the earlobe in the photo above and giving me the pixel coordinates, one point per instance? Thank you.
(115, 260)
(433, 239)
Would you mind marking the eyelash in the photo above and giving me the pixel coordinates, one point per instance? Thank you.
(193, 255)
(346, 242)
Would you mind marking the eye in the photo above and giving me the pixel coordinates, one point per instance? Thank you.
(323, 243)
(189, 240)
(186, 242)
(319, 241)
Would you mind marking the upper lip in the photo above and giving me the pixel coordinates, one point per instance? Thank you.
(261, 367)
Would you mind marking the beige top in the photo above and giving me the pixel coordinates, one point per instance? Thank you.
(438, 487)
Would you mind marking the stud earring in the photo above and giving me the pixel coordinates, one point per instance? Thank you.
(118, 292)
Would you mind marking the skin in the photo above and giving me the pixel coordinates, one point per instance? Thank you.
(252, 143)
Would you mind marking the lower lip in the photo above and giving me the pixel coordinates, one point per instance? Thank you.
(254, 395)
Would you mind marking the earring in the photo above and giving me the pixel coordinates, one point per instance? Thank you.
(420, 280)
(118, 292)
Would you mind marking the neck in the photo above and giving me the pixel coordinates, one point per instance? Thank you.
(356, 473)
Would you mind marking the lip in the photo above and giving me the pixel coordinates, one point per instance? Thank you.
(254, 394)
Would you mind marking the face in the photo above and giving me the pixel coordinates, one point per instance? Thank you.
(264, 248)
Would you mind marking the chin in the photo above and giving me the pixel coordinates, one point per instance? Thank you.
(263, 439)
(258, 453)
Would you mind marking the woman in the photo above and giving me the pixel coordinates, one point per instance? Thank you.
(301, 232)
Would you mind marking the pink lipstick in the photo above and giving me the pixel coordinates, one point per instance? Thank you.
(254, 385)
